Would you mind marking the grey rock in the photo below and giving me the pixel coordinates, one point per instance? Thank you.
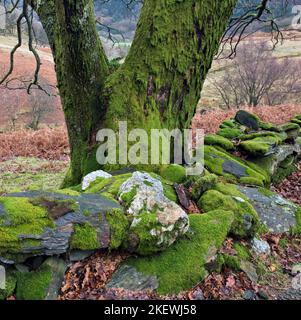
(296, 269)
(263, 295)
(247, 119)
(197, 295)
(78, 255)
(58, 269)
(261, 246)
(22, 268)
(55, 241)
(171, 220)
(91, 177)
(234, 168)
(249, 295)
(249, 270)
(128, 278)
(280, 153)
(277, 213)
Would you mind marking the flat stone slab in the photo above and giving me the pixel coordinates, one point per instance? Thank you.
(277, 213)
(234, 168)
(128, 278)
(56, 241)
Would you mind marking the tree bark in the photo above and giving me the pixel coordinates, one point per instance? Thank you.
(159, 84)
(81, 68)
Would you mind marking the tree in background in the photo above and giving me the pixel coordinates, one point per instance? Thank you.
(158, 85)
(256, 77)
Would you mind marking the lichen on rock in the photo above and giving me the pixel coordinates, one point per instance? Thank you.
(157, 222)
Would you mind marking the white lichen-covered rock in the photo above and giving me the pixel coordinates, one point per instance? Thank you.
(88, 179)
(260, 246)
(157, 221)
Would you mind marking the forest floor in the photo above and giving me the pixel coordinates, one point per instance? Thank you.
(87, 279)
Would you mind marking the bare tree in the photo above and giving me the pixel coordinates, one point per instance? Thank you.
(256, 76)
(40, 105)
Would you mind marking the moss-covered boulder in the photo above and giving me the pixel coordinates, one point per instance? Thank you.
(156, 221)
(228, 124)
(199, 185)
(291, 129)
(247, 119)
(228, 197)
(183, 265)
(224, 164)
(230, 133)
(41, 223)
(173, 173)
(217, 140)
(91, 177)
(260, 146)
(279, 163)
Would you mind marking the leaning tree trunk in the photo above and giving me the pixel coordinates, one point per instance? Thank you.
(160, 82)
(81, 68)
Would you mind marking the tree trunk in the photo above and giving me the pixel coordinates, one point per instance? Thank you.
(159, 84)
(81, 68)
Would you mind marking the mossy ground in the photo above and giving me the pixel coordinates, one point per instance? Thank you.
(25, 174)
(33, 285)
(181, 266)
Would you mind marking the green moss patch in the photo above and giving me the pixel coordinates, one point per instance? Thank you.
(260, 145)
(24, 218)
(229, 133)
(239, 170)
(202, 184)
(109, 186)
(228, 124)
(182, 266)
(289, 127)
(10, 285)
(119, 225)
(33, 285)
(128, 197)
(228, 197)
(241, 251)
(84, 238)
(297, 228)
(215, 140)
(173, 173)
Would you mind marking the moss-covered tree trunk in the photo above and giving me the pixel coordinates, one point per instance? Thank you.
(81, 68)
(160, 82)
